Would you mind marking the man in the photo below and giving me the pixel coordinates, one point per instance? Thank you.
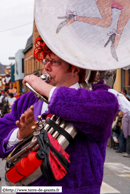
(7, 81)
(91, 112)
(11, 100)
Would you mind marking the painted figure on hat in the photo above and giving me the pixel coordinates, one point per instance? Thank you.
(105, 8)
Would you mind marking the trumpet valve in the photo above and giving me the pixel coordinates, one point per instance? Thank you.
(39, 117)
(33, 127)
(37, 123)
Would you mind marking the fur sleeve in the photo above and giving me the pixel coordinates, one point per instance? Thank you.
(7, 123)
(91, 112)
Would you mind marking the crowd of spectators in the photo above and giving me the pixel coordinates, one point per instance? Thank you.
(7, 99)
(121, 131)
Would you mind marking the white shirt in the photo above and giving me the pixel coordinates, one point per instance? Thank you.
(124, 104)
(7, 79)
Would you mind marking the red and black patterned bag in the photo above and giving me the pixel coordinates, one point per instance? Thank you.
(55, 160)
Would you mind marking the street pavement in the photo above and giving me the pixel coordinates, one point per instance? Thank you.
(116, 174)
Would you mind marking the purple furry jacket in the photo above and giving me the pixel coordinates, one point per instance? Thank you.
(92, 113)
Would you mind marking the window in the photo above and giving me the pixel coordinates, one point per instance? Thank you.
(23, 65)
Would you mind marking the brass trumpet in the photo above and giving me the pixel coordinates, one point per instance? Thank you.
(45, 77)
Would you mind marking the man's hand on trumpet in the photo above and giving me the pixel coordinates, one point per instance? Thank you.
(38, 84)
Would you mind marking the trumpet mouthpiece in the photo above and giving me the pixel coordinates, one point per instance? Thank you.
(45, 77)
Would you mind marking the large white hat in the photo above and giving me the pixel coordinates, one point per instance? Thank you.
(86, 33)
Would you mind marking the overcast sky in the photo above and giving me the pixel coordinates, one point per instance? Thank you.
(16, 26)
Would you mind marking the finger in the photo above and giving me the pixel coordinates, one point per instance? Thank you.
(28, 113)
(22, 118)
(32, 108)
(26, 79)
(18, 124)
